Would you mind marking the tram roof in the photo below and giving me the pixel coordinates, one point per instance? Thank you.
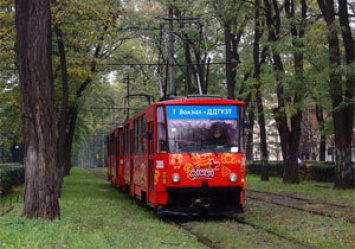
(199, 99)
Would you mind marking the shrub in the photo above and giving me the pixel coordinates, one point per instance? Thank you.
(309, 170)
(11, 175)
(320, 171)
(275, 168)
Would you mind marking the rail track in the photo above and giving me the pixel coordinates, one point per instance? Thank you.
(183, 223)
(272, 232)
(291, 200)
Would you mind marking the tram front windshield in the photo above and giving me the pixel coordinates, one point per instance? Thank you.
(203, 128)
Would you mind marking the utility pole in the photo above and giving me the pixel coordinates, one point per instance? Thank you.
(128, 94)
(171, 51)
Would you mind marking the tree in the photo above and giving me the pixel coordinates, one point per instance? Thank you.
(288, 123)
(259, 103)
(78, 62)
(233, 30)
(34, 62)
(341, 89)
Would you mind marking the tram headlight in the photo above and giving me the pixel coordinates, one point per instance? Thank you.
(175, 178)
(233, 177)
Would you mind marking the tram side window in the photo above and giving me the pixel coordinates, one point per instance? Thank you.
(126, 139)
(161, 131)
(120, 142)
(135, 135)
(111, 144)
(149, 137)
(142, 133)
(139, 131)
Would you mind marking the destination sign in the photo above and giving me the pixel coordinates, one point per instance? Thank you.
(202, 112)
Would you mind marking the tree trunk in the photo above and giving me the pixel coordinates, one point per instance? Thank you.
(348, 40)
(200, 67)
(63, 115)
(259, 103)
(344, 174)
(193, 72)
(69, 138)
(232, 40)
(34, 51)
(263, 142)
(230, 66)
(249, 145)
(189, 68)
(251, 118)
(322, 145)
(289, 144)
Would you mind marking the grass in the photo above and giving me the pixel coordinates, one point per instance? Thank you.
(316, 231)
(93, 215)
(323, 232)
(322, 191)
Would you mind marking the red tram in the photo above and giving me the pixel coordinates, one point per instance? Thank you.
(164, 156)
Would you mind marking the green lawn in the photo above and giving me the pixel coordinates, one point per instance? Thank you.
(322, 191)
(313, 230)
(93, 215)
